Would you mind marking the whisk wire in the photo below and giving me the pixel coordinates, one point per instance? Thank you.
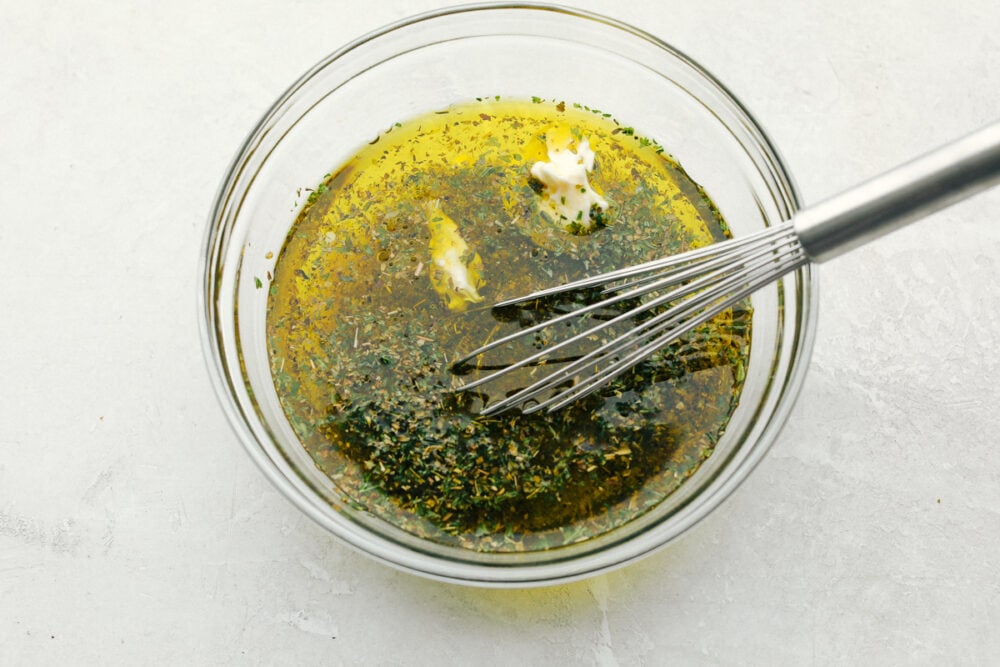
(684, 265)
(667, 335)
(666, 278)
(715, 293)
(712, 275)
(768, 236)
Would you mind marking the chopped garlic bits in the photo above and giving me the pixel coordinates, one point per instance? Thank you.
(568, 194)
(453, 274)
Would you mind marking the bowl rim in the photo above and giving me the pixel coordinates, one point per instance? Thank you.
(492, 575)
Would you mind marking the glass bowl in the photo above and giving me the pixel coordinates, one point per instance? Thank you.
(429, 62)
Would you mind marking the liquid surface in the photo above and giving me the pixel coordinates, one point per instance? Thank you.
(388, 274)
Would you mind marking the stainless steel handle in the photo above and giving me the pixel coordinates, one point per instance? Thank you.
(898, 197)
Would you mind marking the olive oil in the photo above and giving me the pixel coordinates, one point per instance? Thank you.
(388, 273)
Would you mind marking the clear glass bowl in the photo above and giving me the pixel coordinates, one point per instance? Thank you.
(427, 63)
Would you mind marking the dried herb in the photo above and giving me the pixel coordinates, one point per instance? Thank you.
(360, 341)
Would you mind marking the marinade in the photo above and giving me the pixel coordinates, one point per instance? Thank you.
(388, 274)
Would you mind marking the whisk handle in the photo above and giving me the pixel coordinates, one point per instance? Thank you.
(898, 197)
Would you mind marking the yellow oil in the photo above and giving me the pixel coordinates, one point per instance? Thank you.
(362, 324)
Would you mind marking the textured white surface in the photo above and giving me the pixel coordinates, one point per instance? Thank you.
(134, 530)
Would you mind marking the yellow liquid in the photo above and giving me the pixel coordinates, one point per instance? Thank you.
(360, 332)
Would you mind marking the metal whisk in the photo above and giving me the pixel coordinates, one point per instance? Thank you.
(686, 290)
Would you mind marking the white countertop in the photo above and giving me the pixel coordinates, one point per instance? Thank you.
(134, 529)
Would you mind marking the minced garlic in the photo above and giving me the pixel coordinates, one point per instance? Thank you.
(455, 276)
(568, 193)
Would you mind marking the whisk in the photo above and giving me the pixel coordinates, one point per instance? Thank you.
(664, 299)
